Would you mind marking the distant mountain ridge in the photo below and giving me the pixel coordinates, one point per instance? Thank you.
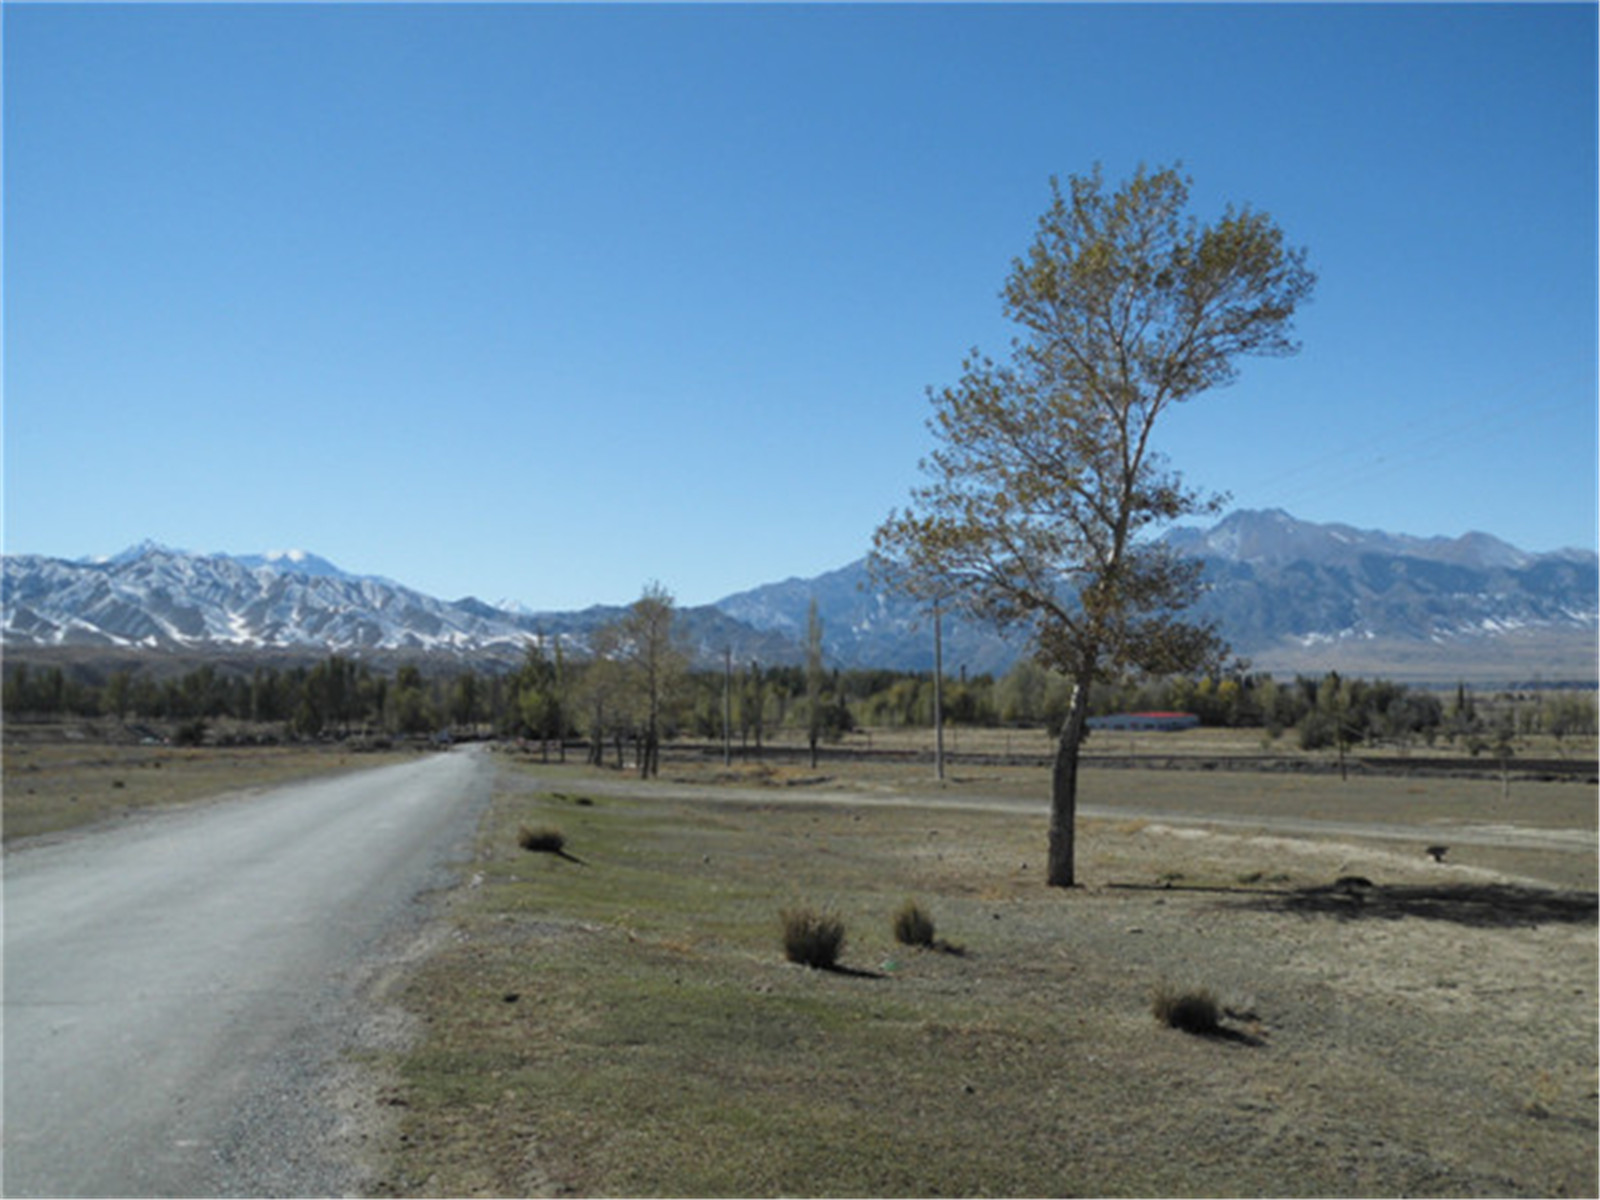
(1274, 537)
(1291, 595)
(152, 597)
(1275, 582)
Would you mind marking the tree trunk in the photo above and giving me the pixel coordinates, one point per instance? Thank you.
(1064, 791)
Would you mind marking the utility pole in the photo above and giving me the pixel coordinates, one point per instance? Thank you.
(727, 707)
(758, 702)
(938, 694)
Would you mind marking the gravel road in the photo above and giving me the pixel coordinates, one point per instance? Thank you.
(177, 988)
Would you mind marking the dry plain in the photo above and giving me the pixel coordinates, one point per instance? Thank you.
(62, 778)
(622, 1020)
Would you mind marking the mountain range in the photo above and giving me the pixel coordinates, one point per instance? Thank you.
(1289, 595)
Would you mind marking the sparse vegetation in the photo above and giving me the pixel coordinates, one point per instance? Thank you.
(812, 939)
(662, 1045)
(54, 785)
(541, 839)
(1194, 1011)
(913, 926)
(190, 733)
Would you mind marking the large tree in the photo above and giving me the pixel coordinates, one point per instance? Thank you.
(656, 665)
(1045, 488)
(541, 689)
(813, 679)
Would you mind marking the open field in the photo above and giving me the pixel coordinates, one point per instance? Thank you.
(620, 1019)
(54, 785)
(1541, 831)
(1244, 748)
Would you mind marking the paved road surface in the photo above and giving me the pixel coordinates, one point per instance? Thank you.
(176, 987)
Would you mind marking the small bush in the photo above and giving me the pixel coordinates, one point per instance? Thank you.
(1193, 1011)
(812, 939)
(913, 926)
(542, 840)
(190, 733)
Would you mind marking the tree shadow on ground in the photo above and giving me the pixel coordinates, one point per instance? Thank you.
(1483, 905)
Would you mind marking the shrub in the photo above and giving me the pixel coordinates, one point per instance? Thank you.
(190, 733)
(544, 840)
(913, 926)
(1193, 1011)
(812, 939)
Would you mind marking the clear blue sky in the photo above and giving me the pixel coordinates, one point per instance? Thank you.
(542, 303)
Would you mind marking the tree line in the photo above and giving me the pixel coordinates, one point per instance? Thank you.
(610, 699)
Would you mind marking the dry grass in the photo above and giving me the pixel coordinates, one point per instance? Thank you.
(913, 926)
(541, 839)
(660, 1044)
(812, 939)
(1208, 741)
(1194, 1011)
(51, 787)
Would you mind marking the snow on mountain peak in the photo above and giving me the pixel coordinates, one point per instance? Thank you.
(293, 562)
(134, 553)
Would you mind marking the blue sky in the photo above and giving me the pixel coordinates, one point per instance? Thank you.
(541, 303)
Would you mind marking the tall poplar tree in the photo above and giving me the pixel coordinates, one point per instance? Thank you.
(1045, 486)
(813, 679)
(657, 665)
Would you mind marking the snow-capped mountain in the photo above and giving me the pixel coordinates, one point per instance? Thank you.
(295, 562)
(152, 597)
(865, 626)
(1271, 576)
(1290, 595)
(1298, 595)
(159, 598)
(1274, 538)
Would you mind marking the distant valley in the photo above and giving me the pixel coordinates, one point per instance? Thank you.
(1291, 596)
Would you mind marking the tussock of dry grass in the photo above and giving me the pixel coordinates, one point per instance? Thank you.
(541, 840)
(913, 926)
(812, 939)
(1195, 1011)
